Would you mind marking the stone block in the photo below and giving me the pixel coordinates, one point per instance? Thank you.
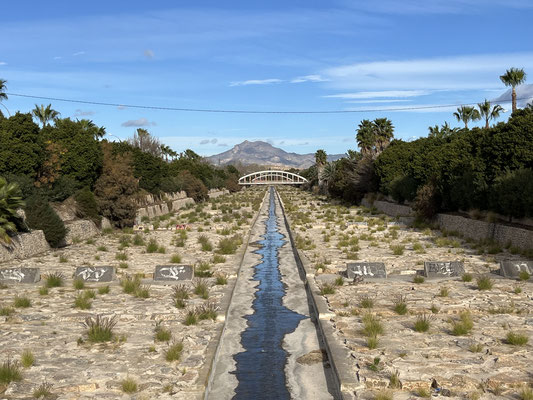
(95, 274)
(366, 270)
(512, 269)
(443, 269)
(20, 275)
(173, 273)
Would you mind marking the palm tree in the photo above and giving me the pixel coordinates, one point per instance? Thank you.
(44, 114)
(10, 201)
(3, 87)
(487, 112)
(89, 126)
(466, 113)
(329, 171)
(383, 133)
(320, 157)
(365, 137)
(444, 131)
(513, 77)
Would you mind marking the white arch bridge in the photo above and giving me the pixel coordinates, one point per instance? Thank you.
(272, 178)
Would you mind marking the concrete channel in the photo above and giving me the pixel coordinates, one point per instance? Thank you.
(270, 347)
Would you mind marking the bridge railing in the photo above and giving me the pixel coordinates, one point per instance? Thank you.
(272, 177)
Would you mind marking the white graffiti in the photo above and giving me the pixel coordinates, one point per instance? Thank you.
(441, 268)
(92, 274)
(12, 274)
(366, 270)
(522, 267)
(172, 272)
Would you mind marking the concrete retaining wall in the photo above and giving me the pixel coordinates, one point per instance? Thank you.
(23, 246)
(470, 228)
(82, 229)
(213, 193)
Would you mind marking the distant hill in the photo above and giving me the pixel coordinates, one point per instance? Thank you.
(263, 153)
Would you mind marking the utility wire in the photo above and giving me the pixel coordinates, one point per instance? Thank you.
(212, 110)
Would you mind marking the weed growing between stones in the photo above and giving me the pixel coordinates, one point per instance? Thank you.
(138, 240)
(229, 245)
(207, 311)
(422, 323)
(464, 325)
(434, 309)
(191, 318)
(54, 279)
(103, 289)
(152, 246)
(162, 334)
(394, 380)
(517, 290)
(44, 390)
(375, 365)
(366, 302)
(339, 281)
(203, 270)
(516, 339)
(524, 275)
(400, 305)
(173, 353)
(372, 326)
(218, 259)
(422, 392)
(466, 277)
(78, 284)
(6, 311)
(526, 393)
(200, 288)
(476, 348)
(27, 359)
(129, 385)
(101, 248)
(82, 302)
(142, 291)
(43, 291)
(175, 259)
(221, 279)
(444, 291)
(327, 288)
(205, 243)
(130, 284)
(397, 249)
(99, 328)
(21, 302)
(63, 259)
(418, 279)
(484, 283)
(386, 395)
(10, 372)
(123, 265)
(372, 342)
(121, 256)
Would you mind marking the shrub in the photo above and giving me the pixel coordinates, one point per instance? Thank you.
(327, 288)
(173, 353)
(78, 284)
(22, 302)
(371, 325)
(27, 359)
(10, 372)
(10, 201)
(175, 259)
(422, 323)
(228, 245)
(464, 325)
(103, 289)
(138, 240)
(129, 385)
(40, 215)
(54, 279)
(484, 283)
(398, 249)
(427, 201)
(100, 329)
(152, 246)
(87, 205)
(44, 390)
(517, 339)
(466, 277)
(418, 279)
(400, 305)
(82, 302)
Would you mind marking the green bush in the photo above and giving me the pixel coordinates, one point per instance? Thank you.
(87, 205)
(40, 215)
(10, 201)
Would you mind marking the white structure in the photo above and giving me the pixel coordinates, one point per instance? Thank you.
(272, 178)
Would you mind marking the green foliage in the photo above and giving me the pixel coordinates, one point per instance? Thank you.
(21, 301)
(27, 359)
(44, 390)
(54, 279)
(87, 205)
(10, 201)
(100, 329)
(517, 339)
(40, 215)
(400, 305)
(10, 372)
(129, 385)
(484, 283)
(173, 353)
(464, 325)
(422, 323)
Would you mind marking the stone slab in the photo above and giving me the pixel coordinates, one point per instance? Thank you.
(20, 275)
(366, 270)
(103, 273)
(511, 269)
(173, 273)
(443, 269)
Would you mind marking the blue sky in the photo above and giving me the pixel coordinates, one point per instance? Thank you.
(275, 55)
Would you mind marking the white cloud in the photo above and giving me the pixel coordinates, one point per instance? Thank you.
(468, 72)
(308, 78)
(256, 82)
(138, 122)
(58, 58)
(223, 145)
(149, 53)
(121, 107)
(378, 101)
(3, 63)
(380, 94)
(81, 113)
(416, 108)
(78, 53)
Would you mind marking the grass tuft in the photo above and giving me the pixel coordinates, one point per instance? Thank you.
(129, 385)
(44, 390)
(27, 359)
(173, 353)
(464, 325)
(484, 283)
(78, 284)
(21, 301)
(10, 372)
(54, 279)
(422, 323)
(327, 288)
(400, 305)
(467, 277)
(516, 339)
(100, 329)
(418, 279)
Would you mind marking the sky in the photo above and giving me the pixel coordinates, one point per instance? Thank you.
(372, 58)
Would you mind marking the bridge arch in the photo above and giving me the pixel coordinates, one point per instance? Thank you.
(272, 177)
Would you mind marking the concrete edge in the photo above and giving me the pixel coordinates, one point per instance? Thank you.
(205, 376)
(337, 353)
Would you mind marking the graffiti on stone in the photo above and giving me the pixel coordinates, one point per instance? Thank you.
(95, 274)
(443, 269)
(173, 273)
(512, 269)
(366, 270)
(20, 275)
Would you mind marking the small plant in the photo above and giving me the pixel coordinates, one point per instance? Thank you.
(129, 385)
(44, 390)
(21, 302)
(100, 329)
(444, 291)
(221, 279)
(464, 325)
(101, 248)
(229, 245)
(339, 281)
(175, 259)
(10, 372)
(434, 309)
(43, 291)
(180, 291)
(484, 283)
(103, 289)
(372, 327)
(142, 291)
(206, 244)
(82, 302)
(54, 279)
(417, 247)
(191, 318)
(394, 380)
(121, 256)
(6, 311)
(152, 246)
(400, 305)
(517, 290)
(200, 288)
(207, 311)
(397, 249)
(375, 366)
(78, 284)
(203, 270)
(129, 284)
(27, 359)
(162, 334)
(476, 348)
(516, 339)
(327, 288)
(422, 392)
(418, 279)
(524, 275)
(422, 323)
(218, 259)
(63, 259)
(138, 240)
(366, 302)
(526, 393)
(173, 353)
(466, 277)
(372, 342)
(385, 395)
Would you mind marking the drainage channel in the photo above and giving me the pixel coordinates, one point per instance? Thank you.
(269, 348)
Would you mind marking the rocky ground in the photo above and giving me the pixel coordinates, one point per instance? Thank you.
(403, 336)
(51, 328)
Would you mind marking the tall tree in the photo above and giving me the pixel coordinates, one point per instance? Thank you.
(383, 133)
(513, 77)
(44, 114)
(466, 114)
(488, 112)
(320, 157)
(10, 201)
(365, 137)
(89, 126)
(3, 88)
(444, 131)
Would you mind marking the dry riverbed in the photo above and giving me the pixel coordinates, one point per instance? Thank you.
(402, 336)
(157, 350)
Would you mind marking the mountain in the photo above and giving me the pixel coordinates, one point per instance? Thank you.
(263, 153)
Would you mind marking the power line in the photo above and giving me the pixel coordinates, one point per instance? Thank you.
(212, 110)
